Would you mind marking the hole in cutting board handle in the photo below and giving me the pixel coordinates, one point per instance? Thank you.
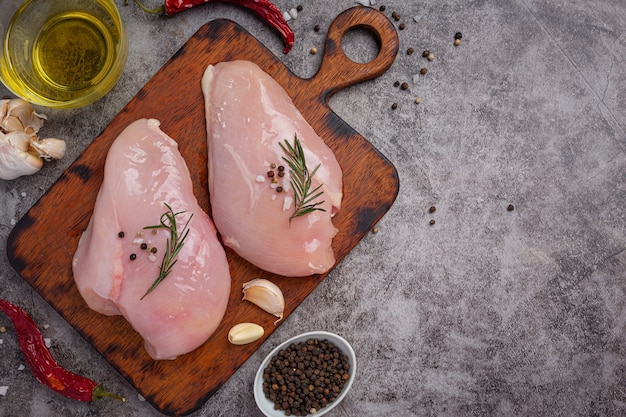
(360, 44)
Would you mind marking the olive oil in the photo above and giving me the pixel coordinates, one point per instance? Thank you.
(63, 53)
(72, 51)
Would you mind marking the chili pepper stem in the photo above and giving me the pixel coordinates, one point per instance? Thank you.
(99, 392)
(156, 10)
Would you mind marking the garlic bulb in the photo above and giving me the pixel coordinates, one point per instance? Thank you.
(265, 294)
(21, 151)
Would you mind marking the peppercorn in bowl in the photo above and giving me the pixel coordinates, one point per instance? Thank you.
(308, 374)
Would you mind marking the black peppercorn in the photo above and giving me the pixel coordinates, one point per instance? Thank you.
(153, 250)
(458, 35)
(432, 221)
(299, 8)
(281, 168)
(316, 28)
(423, 71)
(120, 234)
(425, 53)
(394, 106)
(382, 8)
(279, 189)
(144, 246)
(396, 84)
(133, 256)
(404, 86)
(401, 26)
(270, 174)
(432, 209)
(510, 207)
(409, 51)
(305, 377)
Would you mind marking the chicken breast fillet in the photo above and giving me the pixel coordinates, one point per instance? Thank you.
(248, 116)
(143, 172)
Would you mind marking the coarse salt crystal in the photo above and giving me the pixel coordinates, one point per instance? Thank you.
(287, 203)
(46, 326)
(141, 398)
(3, 390)
(286, 16)
(1, 341)
(23, 194)
(293, 13)
(138, 240)
(47, 341)
(363, 2)
(21, 368)
(260, 178)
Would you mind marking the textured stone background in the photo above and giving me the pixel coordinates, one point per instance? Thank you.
(487, 312)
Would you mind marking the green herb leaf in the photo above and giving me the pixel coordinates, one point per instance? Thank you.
(173, 245)
(301, 180)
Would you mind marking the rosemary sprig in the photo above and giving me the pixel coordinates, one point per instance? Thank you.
(301, 180)
(173, 245)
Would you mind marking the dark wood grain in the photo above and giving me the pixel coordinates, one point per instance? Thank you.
(42, 244)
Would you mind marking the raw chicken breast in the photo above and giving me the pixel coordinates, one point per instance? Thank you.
(248, 114)
(144, 171)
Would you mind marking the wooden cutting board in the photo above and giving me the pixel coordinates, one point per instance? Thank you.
(41, 245)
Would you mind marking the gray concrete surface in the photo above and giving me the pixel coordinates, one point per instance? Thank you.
(488, 312)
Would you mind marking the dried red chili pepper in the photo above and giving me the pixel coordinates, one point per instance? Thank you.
(263, 8)
(43, 365)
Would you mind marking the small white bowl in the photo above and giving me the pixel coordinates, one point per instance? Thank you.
(267, 406)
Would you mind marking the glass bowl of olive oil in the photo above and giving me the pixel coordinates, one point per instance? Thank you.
(63, 54)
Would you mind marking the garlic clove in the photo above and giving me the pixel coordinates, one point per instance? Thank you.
(50, 148)
(4, 109)
(244, 333)
(12, 124)
(14, 162)
(265, 294)
(18, 140)
(22, 113)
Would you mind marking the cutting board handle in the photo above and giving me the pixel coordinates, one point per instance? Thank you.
(337, 71)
